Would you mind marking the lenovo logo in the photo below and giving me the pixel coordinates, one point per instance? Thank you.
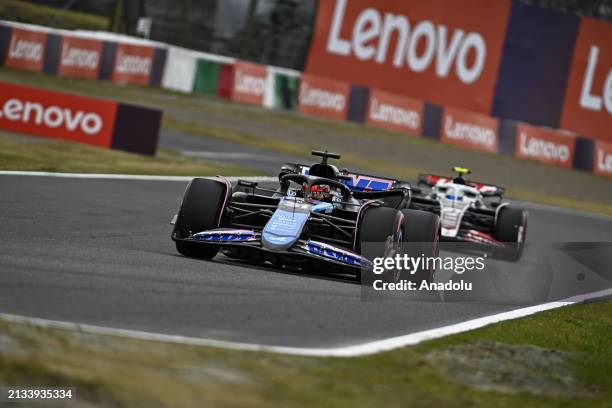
(545, 145)
(52, 116)
(394, 112)
(321, 98)
(587, 109)
(25, 50)
(79, 57)
(603, 159)
(372, 32)
(249, 84)
(543, 149)
(596, 99)
(469, 134)
(132, 64)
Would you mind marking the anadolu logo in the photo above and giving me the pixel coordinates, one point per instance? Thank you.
(321, 98)
(372, 34)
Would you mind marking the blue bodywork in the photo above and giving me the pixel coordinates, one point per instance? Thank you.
(284, 228)
(361, 182)
(282, 234)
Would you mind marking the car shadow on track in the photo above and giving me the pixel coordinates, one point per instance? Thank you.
(267, 267)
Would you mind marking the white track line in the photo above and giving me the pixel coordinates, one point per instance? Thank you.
(101, 176)
(357, 350)
(348, 351)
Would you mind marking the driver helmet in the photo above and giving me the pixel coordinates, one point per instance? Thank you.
(321, 192)
(461, 173)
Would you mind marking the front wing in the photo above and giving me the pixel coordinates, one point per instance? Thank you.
(249, 242)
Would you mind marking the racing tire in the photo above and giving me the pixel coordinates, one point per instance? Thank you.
(200, 210)
(380, 227)
(421, 237)
(510, 229)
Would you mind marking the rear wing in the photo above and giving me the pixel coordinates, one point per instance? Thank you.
(487, 190)
(354, 181)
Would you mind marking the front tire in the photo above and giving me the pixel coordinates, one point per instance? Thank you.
(380, 234)
(200, 210)
(510, 229)
(421, 237)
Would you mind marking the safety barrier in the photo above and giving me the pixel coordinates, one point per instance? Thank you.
(94, 121)
(505, 98)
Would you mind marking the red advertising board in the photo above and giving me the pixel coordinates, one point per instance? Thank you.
(56, 115)
(602, 164)
(469, 130)
(446, 52)
(80, 57)
(26, 49)
(323, 97)
(395, 112)
(249, 84)
(548, 146)
(133, 64)
(588, 98)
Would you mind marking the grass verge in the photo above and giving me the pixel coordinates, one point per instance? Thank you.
(555, 358)
(33, 154)
(374, 166)
(183, 113)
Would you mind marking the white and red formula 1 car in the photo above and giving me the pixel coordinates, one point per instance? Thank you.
(473, 212)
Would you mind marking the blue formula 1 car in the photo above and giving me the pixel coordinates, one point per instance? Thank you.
(319, 218)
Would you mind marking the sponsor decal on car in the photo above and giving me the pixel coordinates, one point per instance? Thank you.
(133, 64)
(337, 254)
(603, 159)
(56, 115)
(450, 58)
(26, 50)
(469, 130)
(394, 112)
(228, 235)
(80, 57)
(588, 100)
(545, 145)
(359, 182)
(249, 83)
(323, 97)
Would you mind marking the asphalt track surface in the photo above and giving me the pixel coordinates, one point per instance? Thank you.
(98, 252)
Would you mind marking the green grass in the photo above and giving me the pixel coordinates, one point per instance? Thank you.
(33, 154)
(26, 12)
(115, 371)
(181, 113)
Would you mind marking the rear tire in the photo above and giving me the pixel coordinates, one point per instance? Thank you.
(200, 210)
(510, 229)
(421, 237)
